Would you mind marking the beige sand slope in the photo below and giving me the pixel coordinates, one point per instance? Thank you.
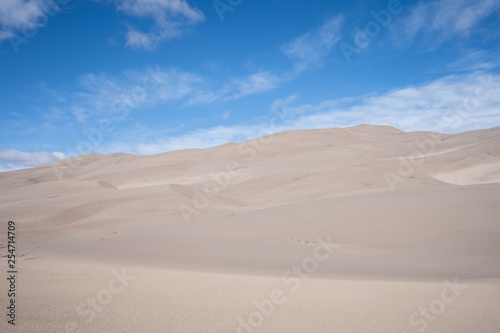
(361, 229)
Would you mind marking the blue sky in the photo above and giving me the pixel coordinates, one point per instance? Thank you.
(149, 76)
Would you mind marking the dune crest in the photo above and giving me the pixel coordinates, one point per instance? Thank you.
(283, 168)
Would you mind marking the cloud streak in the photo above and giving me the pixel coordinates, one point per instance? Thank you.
(438, 21)
(310, 48)
(171, 18)
(104, 96)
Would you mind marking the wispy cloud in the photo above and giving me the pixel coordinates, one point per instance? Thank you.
(11, 159)
(171, 18)
(19, 15)
(227, 114)
(255, 83)
(476, 60)
(443, 19)
(101, 95)
(310, 48)
(5, 35)
(238, 87)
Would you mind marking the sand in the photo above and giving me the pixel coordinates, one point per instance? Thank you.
(361, 229)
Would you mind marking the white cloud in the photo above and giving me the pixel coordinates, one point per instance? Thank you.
(170, 18)
(140, 39)
(311, 47)
(19, 15)
(11, 159)
(443, 19)
(160, 8)
(5, 35)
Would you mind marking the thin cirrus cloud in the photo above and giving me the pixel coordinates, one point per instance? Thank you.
(475, 60)
(237, 88)
(309, 48)
(11, 159)
(171, 18)
(253, 84)
(101, 95)
(451, 104)
(443, 19)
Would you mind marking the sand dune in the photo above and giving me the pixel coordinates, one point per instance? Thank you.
(379, 219)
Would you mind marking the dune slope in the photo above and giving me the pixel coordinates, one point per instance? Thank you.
(368, 222)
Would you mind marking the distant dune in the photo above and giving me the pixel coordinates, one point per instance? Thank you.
(207, 233)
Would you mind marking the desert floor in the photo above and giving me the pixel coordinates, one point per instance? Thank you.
(362, 229)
